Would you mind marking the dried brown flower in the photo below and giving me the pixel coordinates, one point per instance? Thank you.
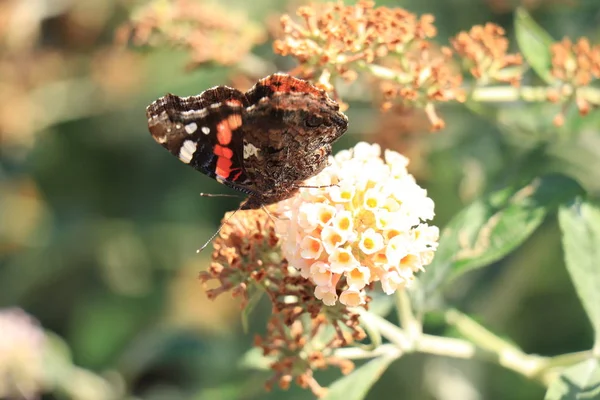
(425, 76)
(209, 32)
(302, 333)
(245, 252)
(389, 44)
(575, 63)
(334, 35)
(484, 50)
(305, 345)
(22, 75)
(575, 66)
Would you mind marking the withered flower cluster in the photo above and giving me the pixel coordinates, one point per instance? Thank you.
(575, 66)
(302, 333)
(484, 51)
(65, 78)
(334, 35)
(430, 78)
(209, 32)
(389, 44)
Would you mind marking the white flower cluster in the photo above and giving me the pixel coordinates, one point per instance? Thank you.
(21, 355)
(366, 226)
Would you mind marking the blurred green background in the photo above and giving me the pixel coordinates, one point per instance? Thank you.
(99, 225)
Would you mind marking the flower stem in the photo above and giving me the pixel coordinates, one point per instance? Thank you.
(476, 333)
(547, 371)
(357, 353)
(499, 350)
(408, 321)
(480, 344)
(497, 94)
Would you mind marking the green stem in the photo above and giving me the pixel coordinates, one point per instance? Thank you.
(391, 332)
(477, 333)
(499, 350)
(408, 321)
(448, 347)
(564, 360)
(496, 94)
(357, 353)
(480, 344)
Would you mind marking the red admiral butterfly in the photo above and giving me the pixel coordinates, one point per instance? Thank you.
(265, 142)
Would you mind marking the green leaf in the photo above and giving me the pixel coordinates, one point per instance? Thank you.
(581, 381)
(254, 359)
(534, 43)
(580, 225)
(356, 385)
(493, 226)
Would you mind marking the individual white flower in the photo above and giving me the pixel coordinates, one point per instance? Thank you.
(310, 247)
(366, 151)
(392, 281)
(397, 163)
(353, 297)
(325, 213)
(373, 199)
(307, 217)
(370, 241)
(321, 273)
(343, 223)
(331, 238)
(343, 192)
(327, 294)
(359, 277)
(342, 260)
(371, 224)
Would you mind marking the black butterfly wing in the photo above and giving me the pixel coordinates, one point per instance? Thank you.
(204, 132)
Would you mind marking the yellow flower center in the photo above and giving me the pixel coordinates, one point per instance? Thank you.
(344, 257)
(356, 274)
(344, 224)
(325, 217)
(315, 246)
(392, 233)
(408, 260)
(335, 238)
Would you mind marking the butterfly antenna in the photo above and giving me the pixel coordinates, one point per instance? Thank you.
(271, 217)
(318, 187)
(221, 227)
(217, 195)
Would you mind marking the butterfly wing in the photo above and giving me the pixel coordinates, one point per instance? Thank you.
(290, 126)
(204, 132)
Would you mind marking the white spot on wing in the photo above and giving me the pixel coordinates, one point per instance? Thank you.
(196, 113)
(191, 128)
(186, 153)
(250, 150)
(161, 139)
(205, 130)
